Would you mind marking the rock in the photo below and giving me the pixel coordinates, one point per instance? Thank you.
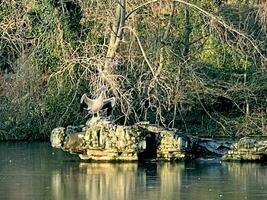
(246, 143)
(215, 147)
(247, 149)
(171, 146)
(74, 143)
(102, 140)
(57, 137)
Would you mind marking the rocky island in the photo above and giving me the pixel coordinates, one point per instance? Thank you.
(102, 140)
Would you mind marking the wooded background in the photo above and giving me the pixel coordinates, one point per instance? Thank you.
(199, 65)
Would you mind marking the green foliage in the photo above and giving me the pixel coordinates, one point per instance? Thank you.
(3, 10)
(56, 48)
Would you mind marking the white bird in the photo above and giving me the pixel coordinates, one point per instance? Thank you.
(95, 105)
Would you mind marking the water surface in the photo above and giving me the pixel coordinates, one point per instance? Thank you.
(36, 171)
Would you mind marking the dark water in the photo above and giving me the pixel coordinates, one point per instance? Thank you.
(36, 171)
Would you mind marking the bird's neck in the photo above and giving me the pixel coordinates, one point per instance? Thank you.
(102, 95)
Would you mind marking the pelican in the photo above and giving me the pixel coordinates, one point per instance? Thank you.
(95, 105)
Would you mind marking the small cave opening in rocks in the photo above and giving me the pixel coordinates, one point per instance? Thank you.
(98, 137)
(150, 152)
(264, 159)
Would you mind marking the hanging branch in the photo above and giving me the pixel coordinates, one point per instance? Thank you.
(211, 16)
(224, 24)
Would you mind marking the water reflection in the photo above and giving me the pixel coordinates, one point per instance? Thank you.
(250, 179)
(118, 181)
(36, 171)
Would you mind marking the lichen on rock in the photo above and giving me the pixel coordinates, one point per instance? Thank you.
(101, 140)
(247, 149)
(171, 146)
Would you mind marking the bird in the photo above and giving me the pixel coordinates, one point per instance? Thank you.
(95, 105)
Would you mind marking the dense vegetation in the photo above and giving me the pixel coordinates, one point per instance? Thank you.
(198, 65)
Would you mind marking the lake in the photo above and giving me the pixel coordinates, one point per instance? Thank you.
(37, 171)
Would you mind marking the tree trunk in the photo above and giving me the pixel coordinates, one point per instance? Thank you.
(187, 32)
(116, 34)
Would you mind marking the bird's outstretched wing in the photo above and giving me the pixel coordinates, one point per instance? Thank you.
(110, 101)
(86, 102)
(109, 104)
